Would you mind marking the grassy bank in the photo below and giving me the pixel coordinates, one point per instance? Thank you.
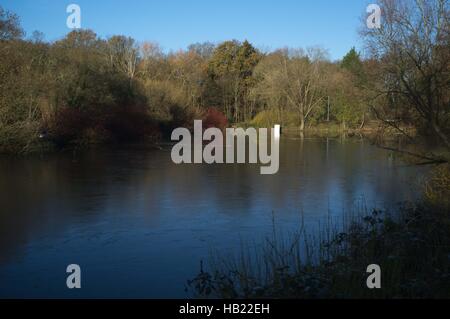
(411, 244)
(320, 127)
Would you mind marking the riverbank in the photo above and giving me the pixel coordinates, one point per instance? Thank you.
(411, 245)
(28, 139)
(333, 128)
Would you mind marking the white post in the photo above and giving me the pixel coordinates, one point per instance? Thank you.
(277, 131)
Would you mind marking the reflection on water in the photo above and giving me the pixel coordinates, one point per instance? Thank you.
(138, 225)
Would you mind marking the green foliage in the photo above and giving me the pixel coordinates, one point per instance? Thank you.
(231, 71)
(232, 58)
(270, 117)
(352, 62)
(265, 118)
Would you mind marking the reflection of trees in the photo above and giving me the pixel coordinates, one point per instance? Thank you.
(129, 189)
(45, 196)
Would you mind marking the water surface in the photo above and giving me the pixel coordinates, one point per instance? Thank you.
(138, 225)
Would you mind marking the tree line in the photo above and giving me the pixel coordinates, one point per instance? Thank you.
(86, 88)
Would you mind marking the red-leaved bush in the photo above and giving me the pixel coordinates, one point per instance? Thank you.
(214, 118)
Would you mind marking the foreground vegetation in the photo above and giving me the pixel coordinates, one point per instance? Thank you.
(411, 245)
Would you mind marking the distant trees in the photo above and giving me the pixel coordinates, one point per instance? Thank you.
(205, 50)
(347, 89)
(84, 85)
(352, 62)
(10, 26)
(70, 90)
(123, 53)
(188, 71)
(151, 63)
(411, 80)
(306, 84)
(296, 81)
(230, 70)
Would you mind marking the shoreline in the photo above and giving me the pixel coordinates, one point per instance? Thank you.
(47, 146)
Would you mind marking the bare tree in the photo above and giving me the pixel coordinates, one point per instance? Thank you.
(152, 57)
(412, 73)
(297, 78)
(123, 54)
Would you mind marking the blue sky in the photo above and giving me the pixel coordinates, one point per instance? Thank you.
(175, 24)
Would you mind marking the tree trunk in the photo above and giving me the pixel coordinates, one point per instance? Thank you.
(363, 121)
(441, 135)
(302, 123)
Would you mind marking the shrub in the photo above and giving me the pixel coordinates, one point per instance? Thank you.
(268, 118)
(22, 138)
(131, 124)
(102, 124)
(214, 118)
(68, 124)
(437, 186)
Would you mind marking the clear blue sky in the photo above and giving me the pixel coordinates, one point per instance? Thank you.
(175, 24)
